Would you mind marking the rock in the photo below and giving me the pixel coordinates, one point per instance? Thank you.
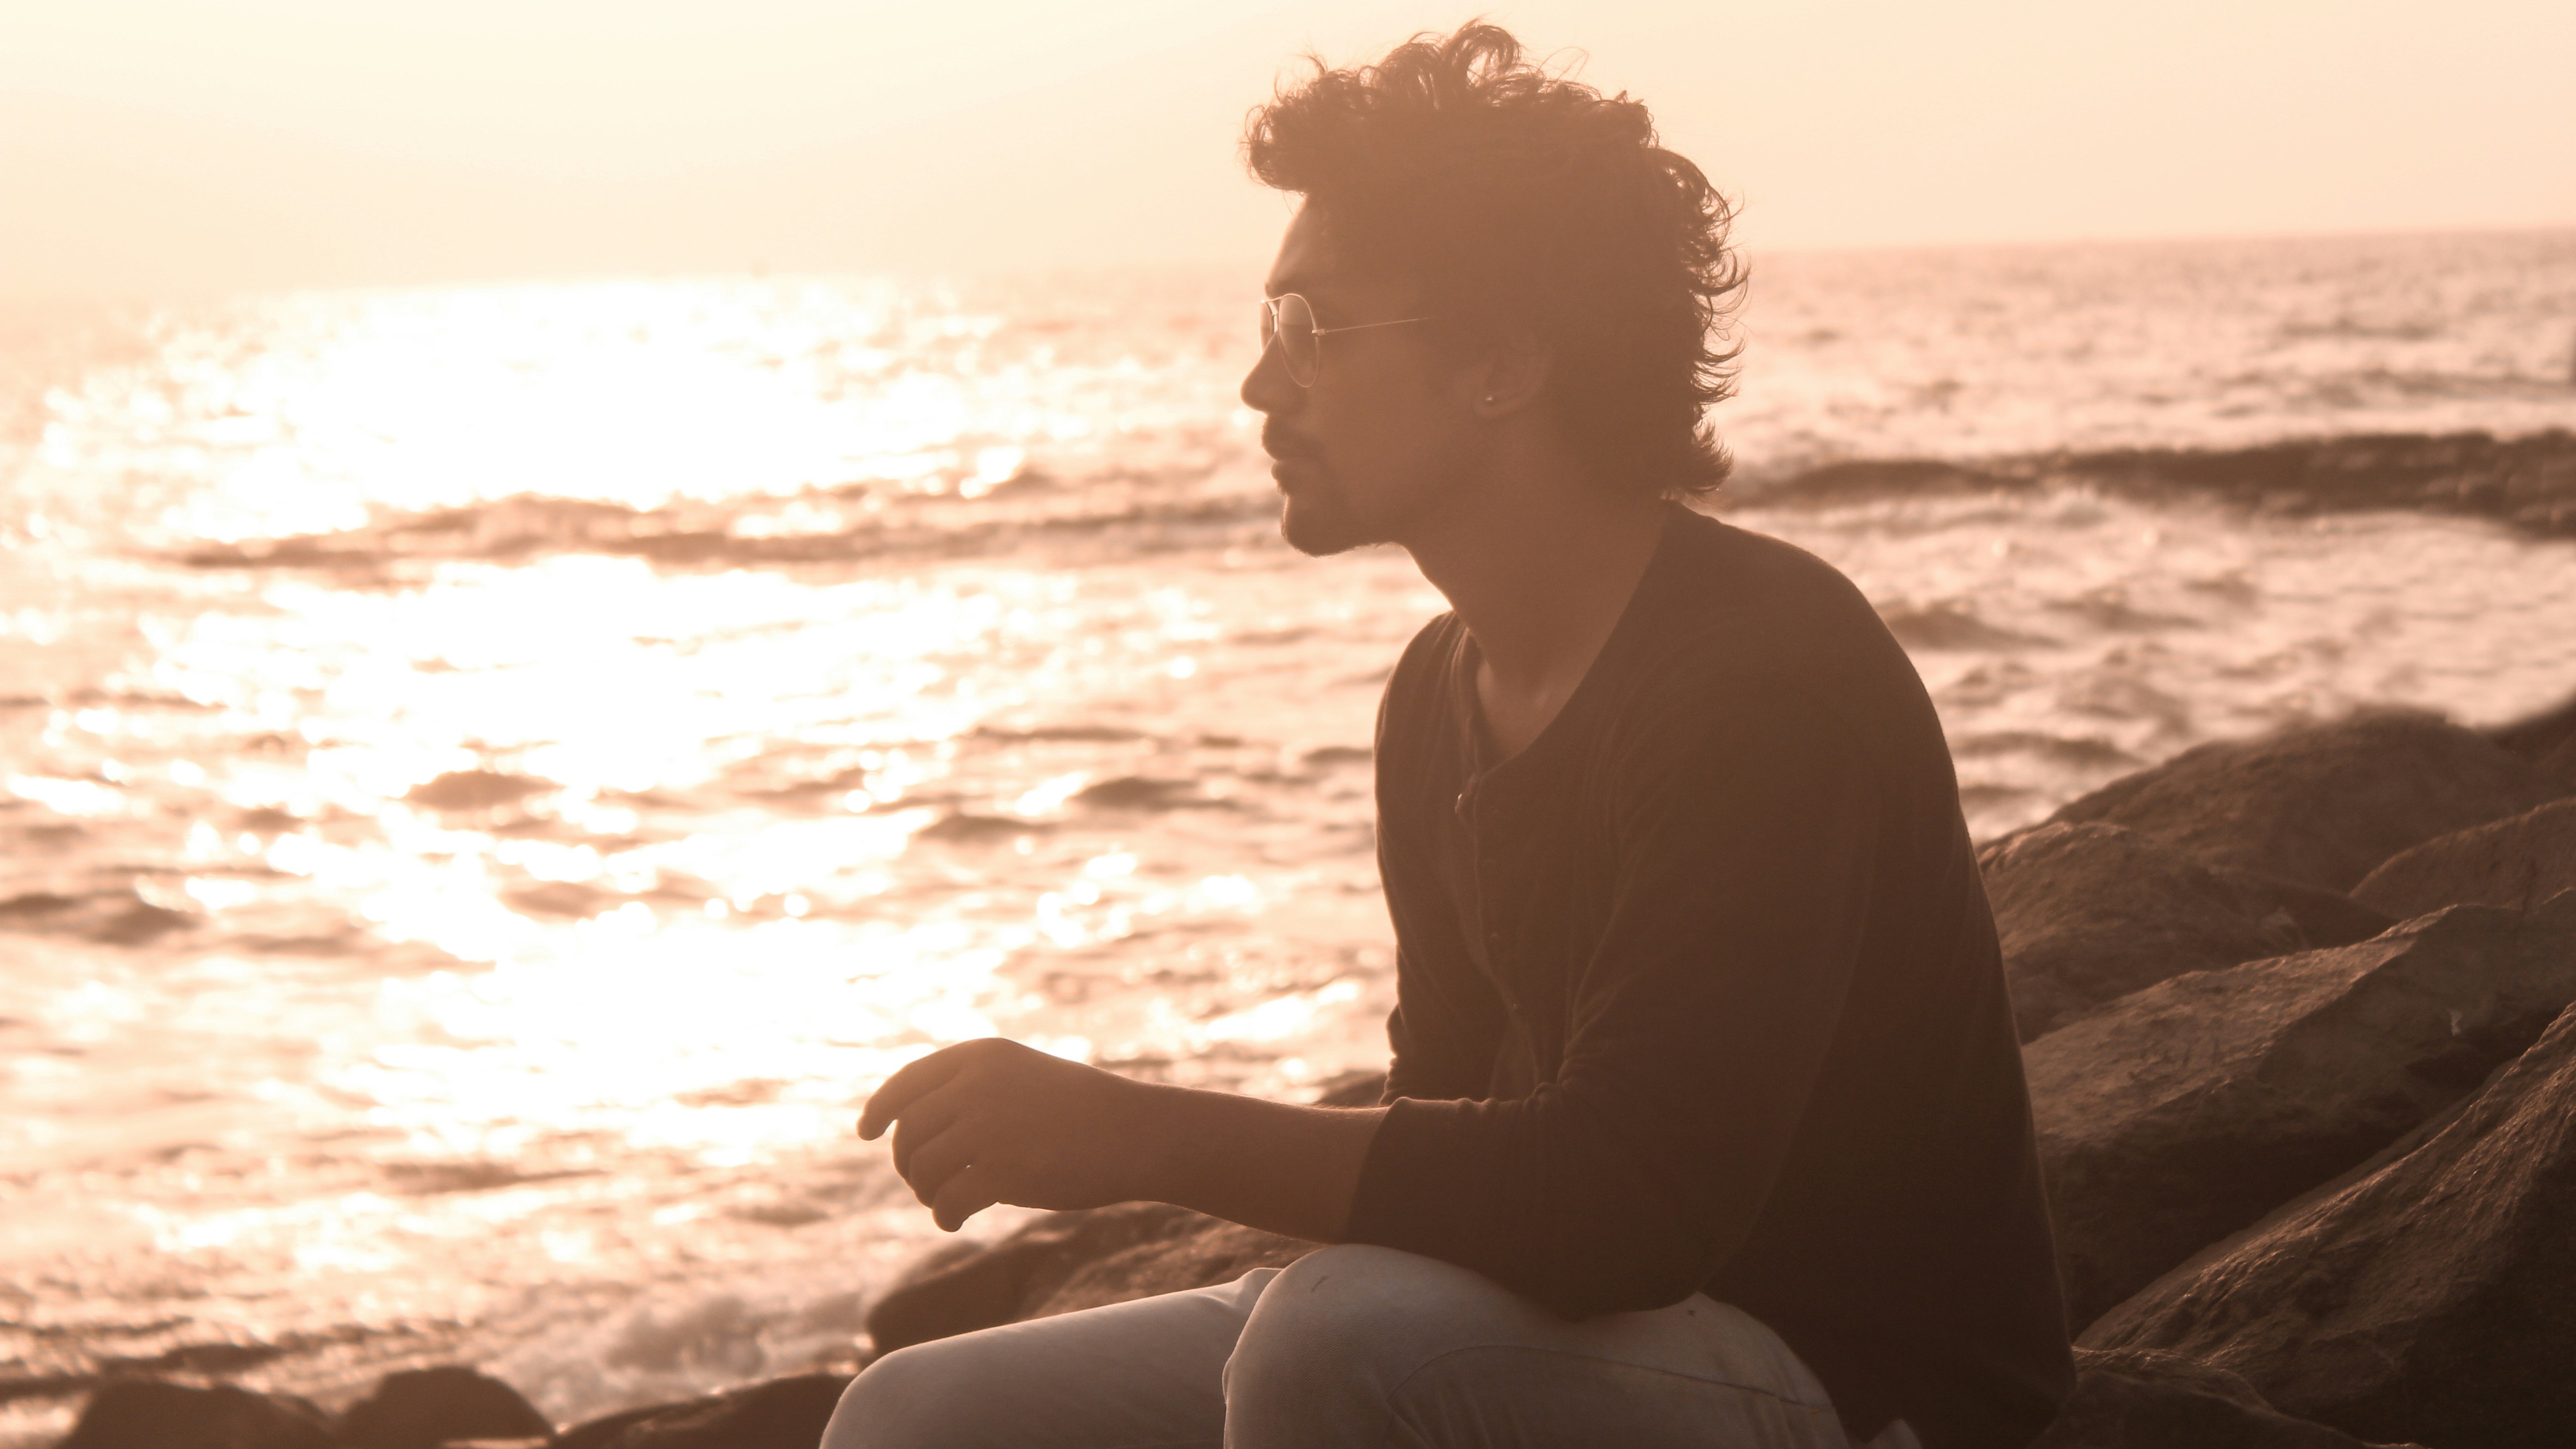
(2432, 1299)
(1072, 1260)
(2547, 739)
(424, 1408)
(2185, 1111)
(960, 1288)
(2519, 861)
(606, 1431)
(784, 1413)
(2090, 912)
(2324, 805)
(154, 1414)
(2164, 1401)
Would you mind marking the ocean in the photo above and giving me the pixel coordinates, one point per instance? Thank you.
(490, 777)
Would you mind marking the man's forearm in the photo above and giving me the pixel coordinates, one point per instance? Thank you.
(1275, 1166)
(991, 1121)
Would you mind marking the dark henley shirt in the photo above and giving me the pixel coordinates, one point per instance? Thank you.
(1700, 991)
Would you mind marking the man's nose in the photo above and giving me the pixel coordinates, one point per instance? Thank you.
(1267, 388)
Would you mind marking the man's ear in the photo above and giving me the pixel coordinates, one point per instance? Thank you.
(1514, 372)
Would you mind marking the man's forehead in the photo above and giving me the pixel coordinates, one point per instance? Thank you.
(1307, 260)
(1313, 260)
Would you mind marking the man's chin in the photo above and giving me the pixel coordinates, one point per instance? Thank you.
(1317, 532)
(1317, 529)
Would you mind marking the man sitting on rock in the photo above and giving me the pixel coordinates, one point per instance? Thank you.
(1705, 1124)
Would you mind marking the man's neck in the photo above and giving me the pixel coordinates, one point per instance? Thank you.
(1540, 572)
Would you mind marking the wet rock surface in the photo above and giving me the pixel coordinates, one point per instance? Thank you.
(2433, 1299)
(2547, 739)
(786, 1413)
(2322, 806)
(425, 1408)
(2090, 912)
(2519, 862)
(2145, 1400)
(153, 1414)
(2185, 1111)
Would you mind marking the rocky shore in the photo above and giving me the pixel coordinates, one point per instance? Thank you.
(2297, 1021)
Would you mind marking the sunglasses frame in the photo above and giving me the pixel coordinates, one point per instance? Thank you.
(1272, 332)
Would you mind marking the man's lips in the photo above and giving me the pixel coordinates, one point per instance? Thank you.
(1284, 471)
(1284, 448)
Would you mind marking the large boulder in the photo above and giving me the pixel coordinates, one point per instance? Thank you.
(425, 1408)
(2322, 806)
(2432, 1299)
(2185, 1111)
(786, 1413)
(2140, 1400)
(1071, 1260)
(2519, 861)
(152, 1414)
(2547, 739)
(2090, 912)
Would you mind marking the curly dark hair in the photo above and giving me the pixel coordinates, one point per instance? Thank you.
(1520, 199)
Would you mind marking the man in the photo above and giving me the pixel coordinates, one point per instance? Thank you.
(1705, 1123)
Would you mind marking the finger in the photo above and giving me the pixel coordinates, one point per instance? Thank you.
(923, 1121)
(937, 1161)
(965, 1194)
(916, 1080)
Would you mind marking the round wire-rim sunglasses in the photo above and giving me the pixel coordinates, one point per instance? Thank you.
(1288, 323)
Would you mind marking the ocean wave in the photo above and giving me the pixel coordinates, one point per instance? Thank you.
(1948, 626)
(2527, 482)
(1140, 510)
(117, 918)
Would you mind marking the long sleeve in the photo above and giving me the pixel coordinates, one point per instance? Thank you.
(1699, 991)
(1744, 823)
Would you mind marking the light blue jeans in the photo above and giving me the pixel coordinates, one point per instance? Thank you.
(1350, 1346)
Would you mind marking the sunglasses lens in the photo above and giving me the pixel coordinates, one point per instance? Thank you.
(1288, 324)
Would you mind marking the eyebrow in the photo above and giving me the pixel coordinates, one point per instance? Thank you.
(1302, 283)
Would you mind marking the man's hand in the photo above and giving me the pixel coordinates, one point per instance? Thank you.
(991, 1121)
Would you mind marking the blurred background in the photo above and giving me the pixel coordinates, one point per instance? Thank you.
(582, 581)
(167, 147)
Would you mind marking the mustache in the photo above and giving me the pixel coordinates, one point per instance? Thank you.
(1278, 442)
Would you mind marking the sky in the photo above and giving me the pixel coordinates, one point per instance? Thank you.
(183, 148)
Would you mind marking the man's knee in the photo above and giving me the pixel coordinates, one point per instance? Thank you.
(910, 1399)
(1355, 1318)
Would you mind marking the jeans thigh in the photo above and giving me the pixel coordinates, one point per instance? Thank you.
(1507, 1396)
(1146, 1374)
(1369, 1346)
